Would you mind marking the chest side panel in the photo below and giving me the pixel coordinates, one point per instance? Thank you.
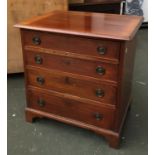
(126, 67)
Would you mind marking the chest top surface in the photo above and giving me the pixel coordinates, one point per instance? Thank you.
(100, 25)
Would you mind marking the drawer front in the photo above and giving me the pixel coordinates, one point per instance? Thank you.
(96, 69)
(74, 44)
(65, 83)
(94, 115)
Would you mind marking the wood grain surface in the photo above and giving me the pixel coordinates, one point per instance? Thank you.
(70, 79)
(71, 109)
(74, 65)
(109, 26)
(66, 43)
(69, 84)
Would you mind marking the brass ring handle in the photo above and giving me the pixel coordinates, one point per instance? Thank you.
(100, 93)
(101, 50)
(100, 70)
(40, 80)
(36, 40)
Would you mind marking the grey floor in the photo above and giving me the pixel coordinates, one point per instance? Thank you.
(48, 137)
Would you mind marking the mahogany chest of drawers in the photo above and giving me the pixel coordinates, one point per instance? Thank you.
(78, 69)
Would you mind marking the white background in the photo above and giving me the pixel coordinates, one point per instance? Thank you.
(145, 10)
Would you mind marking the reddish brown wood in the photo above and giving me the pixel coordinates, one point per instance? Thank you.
(99, 25)
(124, 97)
(73, 65)
(71, 55)
(65, 83)
(112, 137)
(66, 43)
(30, 117)
(102, 131)
(68, 66)
(71, 109)
(113, 140)
(72, 97)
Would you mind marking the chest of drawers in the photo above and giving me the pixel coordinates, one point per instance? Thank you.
(78, 69)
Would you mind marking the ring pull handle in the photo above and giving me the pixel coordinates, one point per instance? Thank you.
(40, 80)
(36, 40)
(99, 93)
(101, 50)
(100, 70)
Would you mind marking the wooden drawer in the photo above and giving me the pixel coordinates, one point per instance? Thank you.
(96, 69)
(67, 83)
(106, 49)
(94, 115)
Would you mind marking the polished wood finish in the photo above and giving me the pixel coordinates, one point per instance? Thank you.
(98, 25)
(74, 65)
(79, 78)
(84, 46)
(72, 109)
(125, 80)
(68, 83)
